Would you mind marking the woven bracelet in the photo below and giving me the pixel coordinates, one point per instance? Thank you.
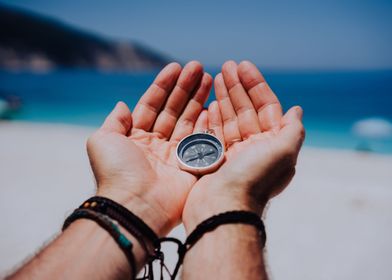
(106, 223)
(133, 224)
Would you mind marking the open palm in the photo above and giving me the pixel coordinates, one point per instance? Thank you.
(134, 153)
(262, 144)
(260, 140)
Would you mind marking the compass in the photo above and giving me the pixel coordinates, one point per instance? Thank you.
(200, 153)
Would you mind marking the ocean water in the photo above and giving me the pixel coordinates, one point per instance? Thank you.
(332, 101)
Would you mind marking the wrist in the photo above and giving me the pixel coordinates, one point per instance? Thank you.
(141, 207)
(211, 197)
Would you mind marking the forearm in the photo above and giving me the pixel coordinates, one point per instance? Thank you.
(83, 251)
(231, 251)
(228, 252)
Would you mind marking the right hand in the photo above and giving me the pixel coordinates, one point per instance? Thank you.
(262, 146)
(133, 154)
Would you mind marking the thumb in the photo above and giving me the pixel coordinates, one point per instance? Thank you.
(119, 120)
(292, 130)
(294, 114)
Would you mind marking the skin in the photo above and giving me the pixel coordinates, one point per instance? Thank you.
(132, 154)
(262, 150)
(133, 159)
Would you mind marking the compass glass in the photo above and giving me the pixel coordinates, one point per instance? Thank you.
(199, 150)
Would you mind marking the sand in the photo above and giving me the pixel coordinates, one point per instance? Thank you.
(333, 222)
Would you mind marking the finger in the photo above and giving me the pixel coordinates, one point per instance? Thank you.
(264, 100)
(188, 118)
(119, 120)
(294, 114)
(188, 80)
(215, 121)
(231, 131)
(146, 110)
(202, 122)
(248, 123)
(292, 133)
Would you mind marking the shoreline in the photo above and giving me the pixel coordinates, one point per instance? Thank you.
(92, 128)
(337, 209)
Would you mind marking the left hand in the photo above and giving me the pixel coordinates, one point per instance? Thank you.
(262, 146)
(133, 154)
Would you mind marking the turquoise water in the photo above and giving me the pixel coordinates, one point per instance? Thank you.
(332, 101)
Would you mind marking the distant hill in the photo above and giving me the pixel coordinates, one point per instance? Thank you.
(32, 42)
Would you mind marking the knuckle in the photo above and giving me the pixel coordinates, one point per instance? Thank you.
(186, 80)
(187, 122)
(91, 140)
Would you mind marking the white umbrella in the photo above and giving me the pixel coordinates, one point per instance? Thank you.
(373, 128)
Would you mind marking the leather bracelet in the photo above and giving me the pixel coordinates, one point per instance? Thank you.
(133, 224)
(106, 223)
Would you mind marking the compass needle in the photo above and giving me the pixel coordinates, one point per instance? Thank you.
(200, 153)
(209, 153)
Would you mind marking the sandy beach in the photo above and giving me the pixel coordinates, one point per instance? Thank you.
(333, 222)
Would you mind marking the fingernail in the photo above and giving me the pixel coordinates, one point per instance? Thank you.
(299, 112)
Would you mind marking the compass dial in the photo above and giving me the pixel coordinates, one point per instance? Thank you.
(199, 151)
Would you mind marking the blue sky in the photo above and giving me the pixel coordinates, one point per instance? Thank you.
(302, 34)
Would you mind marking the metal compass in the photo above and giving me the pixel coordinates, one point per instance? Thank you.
(200, 153)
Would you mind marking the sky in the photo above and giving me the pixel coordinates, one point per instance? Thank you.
(302, 34)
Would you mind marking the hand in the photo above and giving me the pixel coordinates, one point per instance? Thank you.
(262, 146)
(133, 155)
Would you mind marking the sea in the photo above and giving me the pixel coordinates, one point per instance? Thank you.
(334, 103)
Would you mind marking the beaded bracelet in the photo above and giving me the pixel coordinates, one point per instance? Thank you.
(102, 210)
(147, 238)
(133, 224)
(106, 223)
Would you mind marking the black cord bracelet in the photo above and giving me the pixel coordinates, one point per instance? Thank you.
(106, 223)
(102, 210)
(133, 224)
(231, 217)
